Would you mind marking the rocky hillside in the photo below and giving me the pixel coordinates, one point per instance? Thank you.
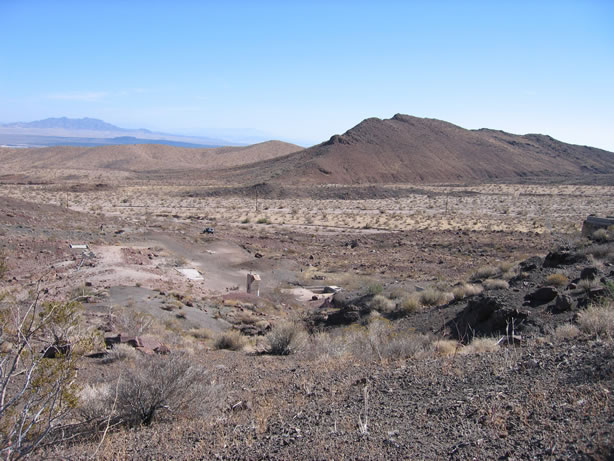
(411, 149)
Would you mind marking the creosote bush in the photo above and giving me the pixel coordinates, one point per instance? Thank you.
(172, 384)
(41, 346)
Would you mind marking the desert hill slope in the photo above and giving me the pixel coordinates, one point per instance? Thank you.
(411, 149)
(140, 157)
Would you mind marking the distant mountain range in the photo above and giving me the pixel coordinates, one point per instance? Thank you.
(92, 132)
(402, 149)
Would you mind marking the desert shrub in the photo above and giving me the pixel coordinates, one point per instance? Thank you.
(557, 280)
(409, 304)
(382, 304)
(485, 272)
(41, 346)
(157, 383)
(232, 340)
(286, 338)
(481, 345)
(435, 297)
(445, 347)
(566, 331)
(263, 220)
(465, 290)
(598, 320)
(600, 235)
(495, 284)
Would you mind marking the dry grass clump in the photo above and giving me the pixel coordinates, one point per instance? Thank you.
(495, 284)
(231, 340)
(434, 297)
(382, 304)
(379, 340)
(600, 235)
(481, 345)
(588, 284)
(566, 331)
(557, 280)
(286, 338)
(598, 320)
(446, 347)
(465, 290)
(409, 304)
(201, 333)
(485, 272)
(3, 264)
(121, 352)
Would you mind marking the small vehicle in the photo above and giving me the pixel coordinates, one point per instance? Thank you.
(209, 230)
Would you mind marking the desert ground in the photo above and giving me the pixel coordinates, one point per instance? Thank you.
(438, 345)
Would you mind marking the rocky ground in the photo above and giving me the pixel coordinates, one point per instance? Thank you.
(377, 371)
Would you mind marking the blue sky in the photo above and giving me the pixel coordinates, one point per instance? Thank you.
(302, 71)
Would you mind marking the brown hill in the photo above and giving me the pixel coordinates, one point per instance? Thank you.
(141, 157)
(411, 149)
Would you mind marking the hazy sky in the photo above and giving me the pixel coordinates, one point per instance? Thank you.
(302, 71)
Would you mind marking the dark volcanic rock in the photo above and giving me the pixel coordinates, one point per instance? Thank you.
(486, 316)
(562, 257)
(563, 303)
(542, 296)
(531, 264)
(589, 273)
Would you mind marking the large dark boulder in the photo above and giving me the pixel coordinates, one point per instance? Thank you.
(541, 296)
(562, 257)
(487, 316)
